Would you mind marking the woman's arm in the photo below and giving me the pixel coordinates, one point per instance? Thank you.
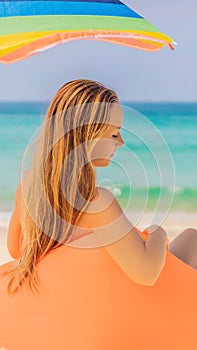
(142, 261)
(14, 231)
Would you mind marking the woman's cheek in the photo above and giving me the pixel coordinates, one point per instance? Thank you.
(103, 149)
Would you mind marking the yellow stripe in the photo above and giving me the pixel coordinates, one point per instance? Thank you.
(154, 35)
(12, 42)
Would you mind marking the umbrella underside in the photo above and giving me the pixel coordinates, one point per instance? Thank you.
(30, 27)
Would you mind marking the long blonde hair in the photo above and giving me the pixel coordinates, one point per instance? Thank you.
(77, 114)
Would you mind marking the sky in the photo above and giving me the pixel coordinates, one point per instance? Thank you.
(134, 74)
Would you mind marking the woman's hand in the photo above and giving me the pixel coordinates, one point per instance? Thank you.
(153, 228)
(158, 230)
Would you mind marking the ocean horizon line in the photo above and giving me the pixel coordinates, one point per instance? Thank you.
(121, 101)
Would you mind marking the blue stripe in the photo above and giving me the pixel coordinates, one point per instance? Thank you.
(100, 1)
(39, 8)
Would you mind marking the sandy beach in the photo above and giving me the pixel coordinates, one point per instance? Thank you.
(174, 224)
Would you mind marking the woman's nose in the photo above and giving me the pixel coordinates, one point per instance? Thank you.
(120, 141)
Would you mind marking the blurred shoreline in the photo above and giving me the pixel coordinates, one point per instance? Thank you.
(174, 223)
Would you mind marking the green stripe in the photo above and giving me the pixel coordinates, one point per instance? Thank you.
(14, 25)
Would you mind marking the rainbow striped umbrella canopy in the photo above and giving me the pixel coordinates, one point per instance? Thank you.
(30, 27)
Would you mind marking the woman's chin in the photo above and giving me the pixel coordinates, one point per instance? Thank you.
(101, 162)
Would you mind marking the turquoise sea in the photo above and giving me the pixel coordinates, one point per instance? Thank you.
(157, 167)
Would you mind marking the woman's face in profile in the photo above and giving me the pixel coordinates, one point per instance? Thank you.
(109, 139)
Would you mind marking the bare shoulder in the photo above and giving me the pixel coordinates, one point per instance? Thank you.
(103, 210)
(22, 181)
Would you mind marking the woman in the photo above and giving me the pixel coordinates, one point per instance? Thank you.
(58, 204)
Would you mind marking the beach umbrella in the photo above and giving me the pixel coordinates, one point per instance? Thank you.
(31, 27)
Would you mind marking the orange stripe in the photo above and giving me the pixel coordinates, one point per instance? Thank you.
(43, 43)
